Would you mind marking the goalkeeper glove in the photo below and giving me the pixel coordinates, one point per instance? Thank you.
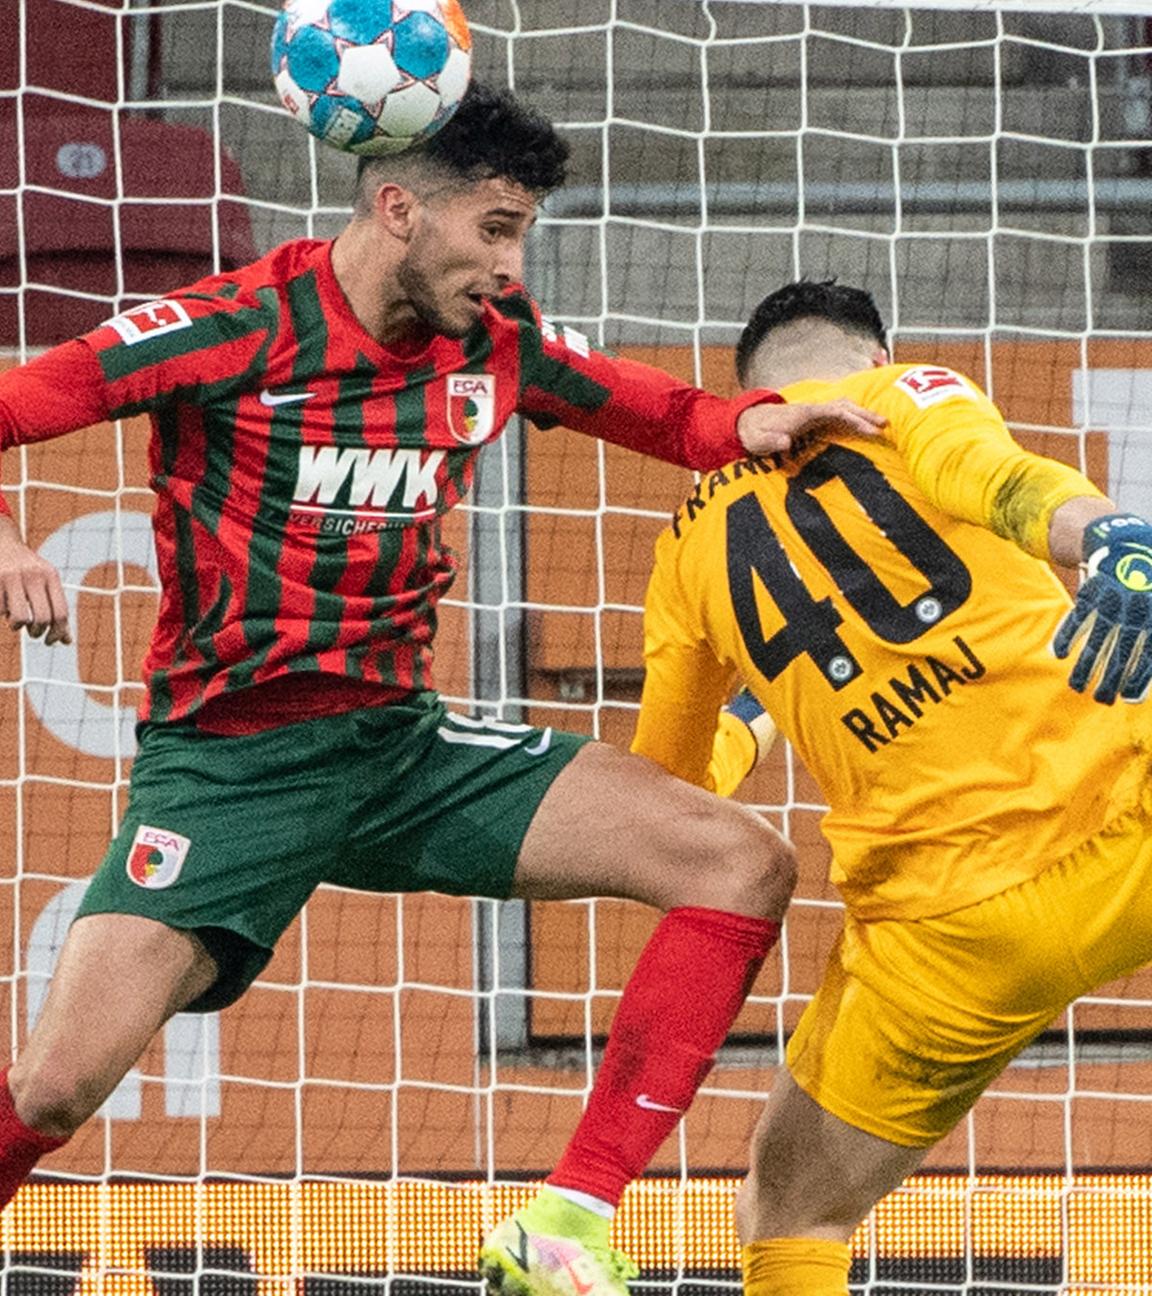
(744, 736)
(747, 709)
(1113, 611)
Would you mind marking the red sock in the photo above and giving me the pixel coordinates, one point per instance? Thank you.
(691, 981)
(20, 1145)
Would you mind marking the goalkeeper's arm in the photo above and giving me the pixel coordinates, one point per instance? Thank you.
(745, 733)
(964, 459)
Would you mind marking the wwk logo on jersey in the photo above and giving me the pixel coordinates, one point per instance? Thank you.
(156, 857)
(471, 406)
(383, 483)
(928, 386)
(150, 320)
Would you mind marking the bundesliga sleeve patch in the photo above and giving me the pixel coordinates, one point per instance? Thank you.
(928, 386)
(156, 857)
(150, 320)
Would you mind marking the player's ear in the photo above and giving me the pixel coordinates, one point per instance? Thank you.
(880, 358)
(395, 207)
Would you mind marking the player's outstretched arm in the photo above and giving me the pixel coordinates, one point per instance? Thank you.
(31, 594)
(1110, 625)
(565, 380)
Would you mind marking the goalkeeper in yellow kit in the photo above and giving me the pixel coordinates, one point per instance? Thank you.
(887, 603)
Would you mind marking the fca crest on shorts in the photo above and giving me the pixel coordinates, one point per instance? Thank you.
(156, 857)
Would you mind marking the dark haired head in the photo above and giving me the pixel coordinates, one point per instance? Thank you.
(491, 134)
(850, 309)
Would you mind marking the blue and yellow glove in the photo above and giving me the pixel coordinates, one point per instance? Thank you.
(745, 707)
(744, 736)
(1113, 611)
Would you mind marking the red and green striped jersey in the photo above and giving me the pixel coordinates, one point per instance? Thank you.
(302, 469)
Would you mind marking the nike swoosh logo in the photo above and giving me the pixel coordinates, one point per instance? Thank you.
(522, 1258)
(284, 398)
(650, 1104)
(541, 745)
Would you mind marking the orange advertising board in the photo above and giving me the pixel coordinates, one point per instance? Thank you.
(1080, 1233)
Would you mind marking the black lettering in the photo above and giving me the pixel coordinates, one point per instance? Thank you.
(891, 714)
(945, 675)
(755, 465)
(676, 524)
(716, 480)
(860, 723)
(694, 503)
(976, 667)
(948, 580)
(915, 692)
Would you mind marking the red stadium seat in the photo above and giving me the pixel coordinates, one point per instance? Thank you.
(77, 237)
(59, 182)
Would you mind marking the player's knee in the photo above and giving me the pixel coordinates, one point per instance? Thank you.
(54, 1099)
(797, 1191)
(748, 866)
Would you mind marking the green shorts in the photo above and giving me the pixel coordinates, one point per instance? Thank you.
(229, 836)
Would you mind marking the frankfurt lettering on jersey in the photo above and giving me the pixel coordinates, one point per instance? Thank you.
(707, 487)
(906, 700)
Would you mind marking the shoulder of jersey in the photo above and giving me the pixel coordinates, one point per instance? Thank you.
(234, 297)
(920, 386)
(517, 306)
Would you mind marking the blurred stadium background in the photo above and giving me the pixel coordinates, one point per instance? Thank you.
(407, 1067)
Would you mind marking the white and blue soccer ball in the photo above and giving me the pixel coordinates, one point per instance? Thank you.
(371, 76)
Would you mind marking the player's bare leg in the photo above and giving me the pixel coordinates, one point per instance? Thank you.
(118, 980)
(617, 825)
(614, 824)
(813, 1179)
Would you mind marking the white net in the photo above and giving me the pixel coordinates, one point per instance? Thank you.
(986, 171)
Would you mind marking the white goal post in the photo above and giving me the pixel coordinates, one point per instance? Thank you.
(407, 1067)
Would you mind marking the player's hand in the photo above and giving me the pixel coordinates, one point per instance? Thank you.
(1111, 621)
(772, 429)
(31, 595)
(746, 708)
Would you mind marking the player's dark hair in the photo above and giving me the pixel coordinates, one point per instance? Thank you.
(850, 309)
(492, 133)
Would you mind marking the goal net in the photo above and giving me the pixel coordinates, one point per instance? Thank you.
(408, 1067)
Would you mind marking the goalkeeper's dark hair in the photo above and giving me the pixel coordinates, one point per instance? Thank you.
(850, 309)
(491, 133)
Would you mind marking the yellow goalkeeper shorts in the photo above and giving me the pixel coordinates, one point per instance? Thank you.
(914, 1018)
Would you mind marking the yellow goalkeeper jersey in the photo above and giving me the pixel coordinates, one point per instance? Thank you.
(888, 602)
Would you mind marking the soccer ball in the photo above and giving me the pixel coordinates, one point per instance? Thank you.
(371, 76)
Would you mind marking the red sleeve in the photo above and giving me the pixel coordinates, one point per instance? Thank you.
(647, 410)
(564, 380)
(60, 391)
